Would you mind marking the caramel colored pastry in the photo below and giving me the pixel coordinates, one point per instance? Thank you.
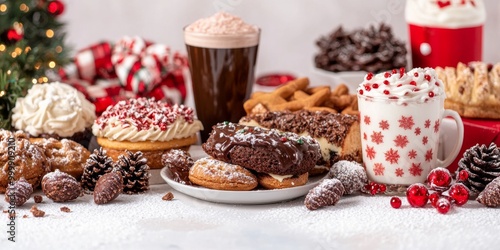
(338, 135)
(65, 155)
(54, 110)
(472, 90)
(214, 174)
(26, 160)
(281, 181)
(295, 95)
(146, 125)
(262, 150)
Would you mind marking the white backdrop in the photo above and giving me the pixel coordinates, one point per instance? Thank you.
(289, 27)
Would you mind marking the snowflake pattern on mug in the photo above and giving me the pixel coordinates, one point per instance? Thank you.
(404, 153)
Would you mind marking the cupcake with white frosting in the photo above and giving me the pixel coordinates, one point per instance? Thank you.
(54, 110)
(146, 125)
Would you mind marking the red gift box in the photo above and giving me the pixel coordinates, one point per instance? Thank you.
(476, 131)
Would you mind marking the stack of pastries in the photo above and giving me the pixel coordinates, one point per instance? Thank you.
(244, 157)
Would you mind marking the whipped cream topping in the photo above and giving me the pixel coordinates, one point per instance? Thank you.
(53, 108)
(221, 30)
(145, 119)
(418, 85)
(446, 14)
(222, 23)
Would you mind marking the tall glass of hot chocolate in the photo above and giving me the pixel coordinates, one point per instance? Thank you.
(222, 51)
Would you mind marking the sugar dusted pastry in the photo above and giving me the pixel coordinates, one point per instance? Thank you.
(146, 125)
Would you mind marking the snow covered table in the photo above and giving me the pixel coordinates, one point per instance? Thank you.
(148, 222)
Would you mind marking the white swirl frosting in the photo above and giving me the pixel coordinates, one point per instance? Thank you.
(53, 108)
(417, 85)
(446, 14)
(146, 120)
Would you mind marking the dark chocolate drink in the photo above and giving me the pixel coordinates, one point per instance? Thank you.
(222, 80)
(222, 74)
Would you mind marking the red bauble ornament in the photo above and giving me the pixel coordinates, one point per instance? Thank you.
(463, 175)
(55, 8)
(459, 193)
(443, 205)
(417, 195)
(395, 202)
(13, 35)
(439, 179)
(433, 198)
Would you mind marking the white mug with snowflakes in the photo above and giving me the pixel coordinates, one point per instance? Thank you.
(400, 118)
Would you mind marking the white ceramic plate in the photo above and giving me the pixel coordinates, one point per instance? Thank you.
(242, 197)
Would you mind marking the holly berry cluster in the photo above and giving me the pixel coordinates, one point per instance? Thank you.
(374, 188)
(441, 191)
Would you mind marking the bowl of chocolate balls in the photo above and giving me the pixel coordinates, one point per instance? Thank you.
(345, 57)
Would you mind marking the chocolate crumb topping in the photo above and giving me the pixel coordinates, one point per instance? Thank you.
(319, 124)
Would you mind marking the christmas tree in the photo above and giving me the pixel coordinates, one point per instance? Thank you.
(31, 44)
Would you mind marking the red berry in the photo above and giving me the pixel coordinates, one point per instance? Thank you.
(367, 87)
(395, 202)
(382, 188)
(374, 189)
(401, 71)
(369, 76)
(416, 74)
(427, 77)
(386, 92)
(417, 195)
(386, 82)
(413, 83)
(463, 175)
(433, 198)
(459, 193)
(443, 205)
(439, 179)
(431, 94)
(387, 74)
(360, 91)
(394, 71)
(283, 139)
(375, 86)
(437, 84)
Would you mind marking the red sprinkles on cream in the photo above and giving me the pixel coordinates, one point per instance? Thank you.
(144, 114)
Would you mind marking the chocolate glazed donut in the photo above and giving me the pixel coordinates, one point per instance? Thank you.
(262, 150)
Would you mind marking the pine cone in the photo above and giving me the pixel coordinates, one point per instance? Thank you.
(327, 193)
(18, 192)
(483, 165)
(98, 164)
(135, 172)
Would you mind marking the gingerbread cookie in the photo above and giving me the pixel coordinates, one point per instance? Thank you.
(214, 174)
